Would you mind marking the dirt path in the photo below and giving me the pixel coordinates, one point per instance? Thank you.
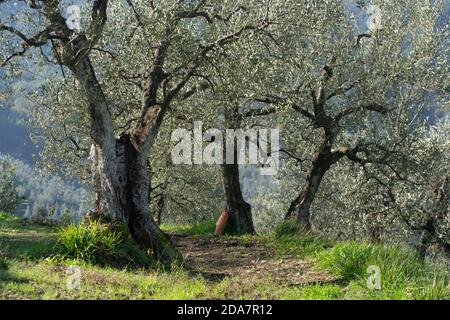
(218, 257)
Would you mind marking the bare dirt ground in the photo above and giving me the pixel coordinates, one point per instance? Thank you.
(218, 257)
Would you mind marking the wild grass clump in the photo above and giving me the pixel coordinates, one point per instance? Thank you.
(292, 238)
(90, 241)
(403, 274)
(289, 228)
(314, 292)
(347, 260)
(6, 217)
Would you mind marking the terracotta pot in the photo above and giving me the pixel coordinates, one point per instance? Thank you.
(221, 222)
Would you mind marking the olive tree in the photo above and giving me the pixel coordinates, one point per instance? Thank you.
(355, 91)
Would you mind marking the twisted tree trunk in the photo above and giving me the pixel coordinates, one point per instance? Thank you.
(124, 197)
(143, 228)
(300, 207)
(324, 158)
(119, 165)
(240, 220)
(430, 236)
(240, 211)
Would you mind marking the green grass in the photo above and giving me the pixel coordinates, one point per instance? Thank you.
(201, 229)
(28, 271)
(315, 292)
(290, 238)
(403, 274)
(26, 280)
(22, 239)
(41, 280)
(347, 260)
(92, 242)
(88, 241)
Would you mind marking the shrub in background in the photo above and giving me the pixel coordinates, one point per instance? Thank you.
(65, 218)
(9, 197)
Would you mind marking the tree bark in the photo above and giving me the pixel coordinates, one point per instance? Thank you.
(160, 204)
(323, 159)
(131, 203)
(240, 220)
(430, 237)
(143, 228)
(321, 163)
(300, 207)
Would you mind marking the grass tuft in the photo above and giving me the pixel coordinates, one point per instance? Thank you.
(89, 242)
(403, 274)
(291, 238)
(315, 292)
(347, 260)
(289, 228)
(6, 217)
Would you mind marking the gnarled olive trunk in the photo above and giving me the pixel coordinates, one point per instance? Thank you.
(119, 168)
(124, 197)
(143, 228)
(321, 163)
(160, 204)
(119, 165)
(431, 241)
(240, 220)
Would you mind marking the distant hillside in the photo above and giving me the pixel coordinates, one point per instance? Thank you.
(46, 193)
(14, 137)
(41, 190)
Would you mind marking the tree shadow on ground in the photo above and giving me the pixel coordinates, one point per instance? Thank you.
(7, 277)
